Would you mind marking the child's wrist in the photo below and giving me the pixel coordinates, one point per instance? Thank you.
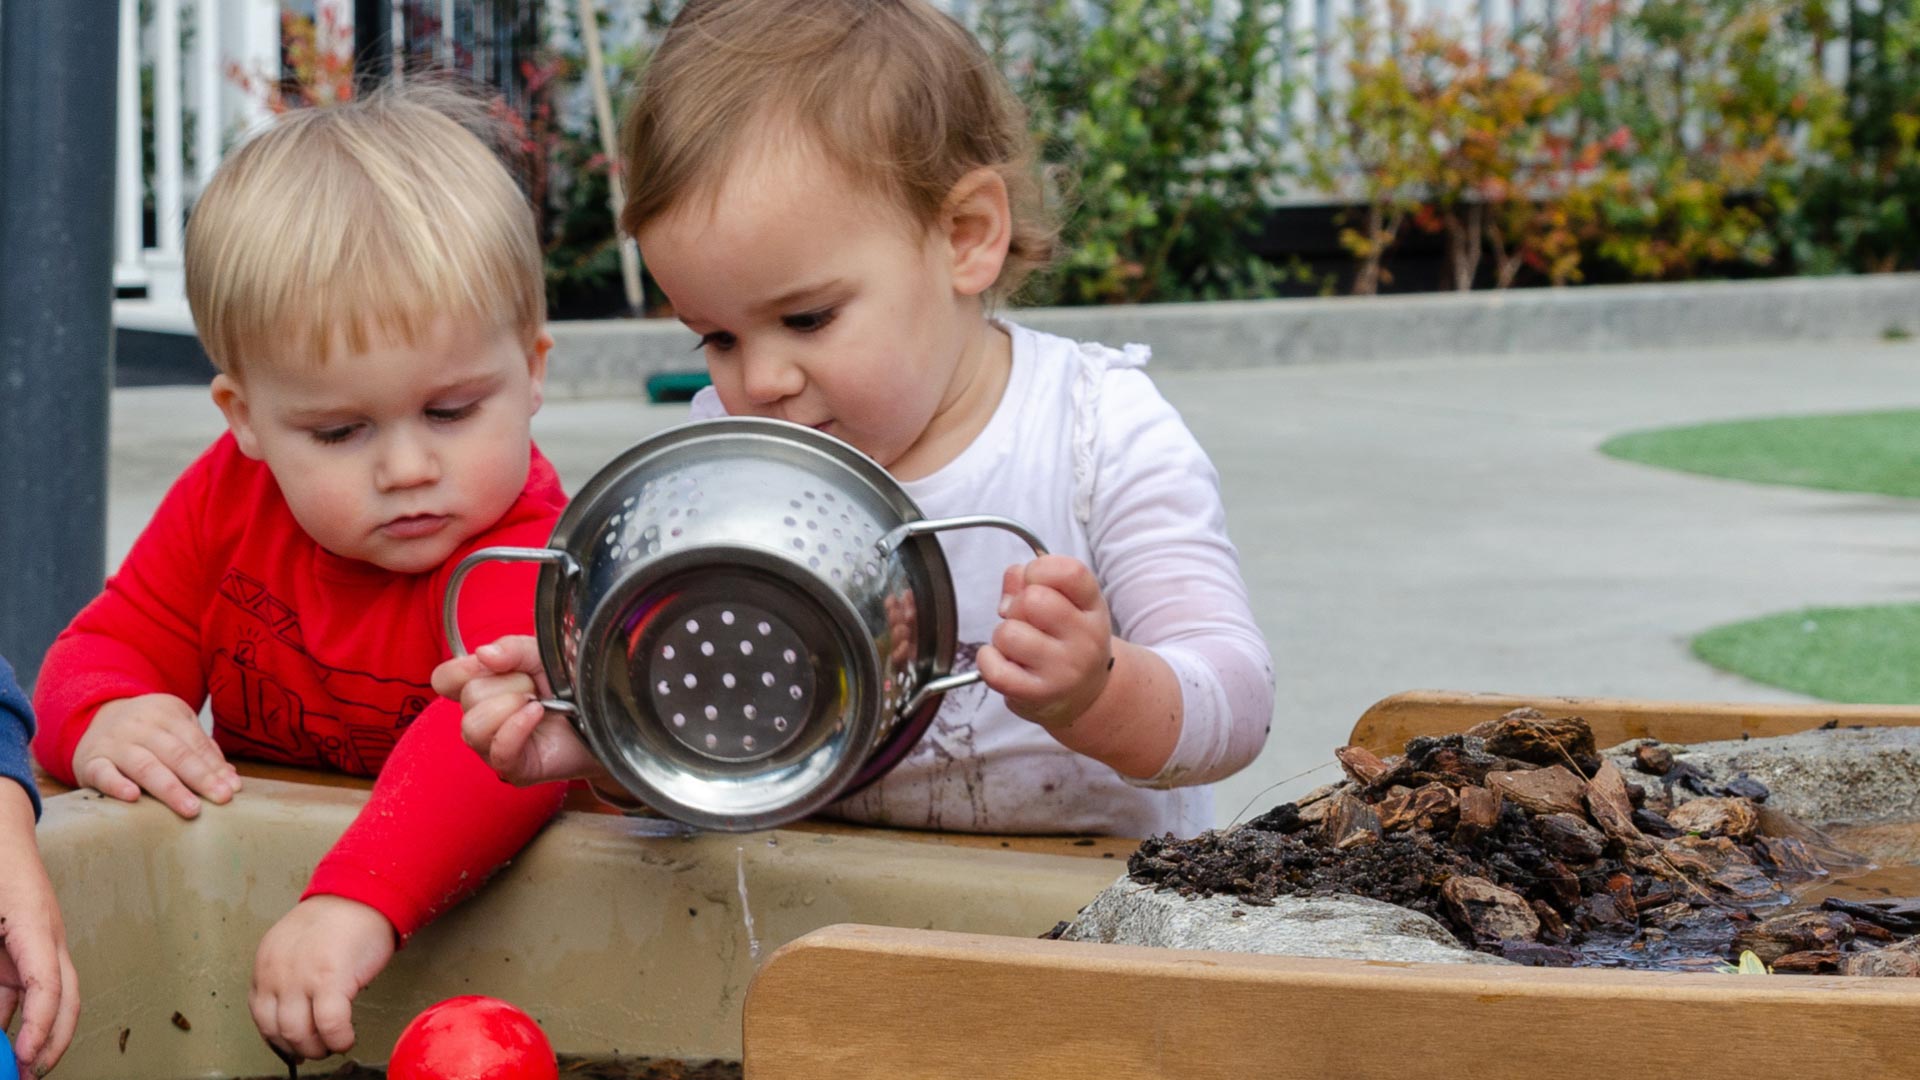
(1133, 724)
(16, 810)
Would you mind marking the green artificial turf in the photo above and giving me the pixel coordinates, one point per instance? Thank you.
(1876, 452)
(1862, 654)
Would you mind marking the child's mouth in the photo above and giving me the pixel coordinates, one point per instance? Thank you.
(414, 526)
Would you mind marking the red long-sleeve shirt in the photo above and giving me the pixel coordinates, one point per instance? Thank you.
(312, 659)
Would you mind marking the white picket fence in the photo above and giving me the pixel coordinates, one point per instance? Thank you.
(190, 47)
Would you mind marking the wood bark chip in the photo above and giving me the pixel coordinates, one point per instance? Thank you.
(1494, 913)
(1722, 816)
(1611, 809)
(1900, 961)
(1552, 790)
(1530, 735)
(1361, 764)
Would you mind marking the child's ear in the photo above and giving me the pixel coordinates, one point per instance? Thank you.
(537, 366)
(979, 228)
(232, 400)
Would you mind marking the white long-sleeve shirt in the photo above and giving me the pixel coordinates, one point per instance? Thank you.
(1085, 452)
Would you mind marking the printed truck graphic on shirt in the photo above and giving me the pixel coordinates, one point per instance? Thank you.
(273, 699)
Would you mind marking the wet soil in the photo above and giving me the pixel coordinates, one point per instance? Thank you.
(1524, 842)
(573, 1068)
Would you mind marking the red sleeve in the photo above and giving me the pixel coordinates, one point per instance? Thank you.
(439, 822)
(141, 635)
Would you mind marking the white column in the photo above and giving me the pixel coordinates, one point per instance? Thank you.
(165, 262)
(209, 71)
(129, 196)
(250, 39)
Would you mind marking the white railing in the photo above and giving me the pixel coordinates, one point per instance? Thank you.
(190, 47)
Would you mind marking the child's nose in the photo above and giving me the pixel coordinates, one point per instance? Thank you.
(769, 375)
(406, 460)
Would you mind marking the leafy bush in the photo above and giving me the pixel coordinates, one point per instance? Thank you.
(1165, 116)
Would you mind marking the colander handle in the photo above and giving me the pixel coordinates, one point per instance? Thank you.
(450, 609)
(891, 542)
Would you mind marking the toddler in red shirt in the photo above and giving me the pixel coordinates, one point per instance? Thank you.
(367, 280)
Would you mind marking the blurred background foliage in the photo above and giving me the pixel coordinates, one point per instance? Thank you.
(1200, 154)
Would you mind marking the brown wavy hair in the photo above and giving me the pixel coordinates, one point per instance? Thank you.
(895, 92)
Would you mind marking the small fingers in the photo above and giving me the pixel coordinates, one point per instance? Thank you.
(515, 652)
(487, 688)
(1068, 576)
(35, 958)
(66, 1022)
(160, 781)
(333, 1021)
(103, 776)
(1005, 677)
(9, 1000)
(194, 758)
(509, 750)
(293, 1014)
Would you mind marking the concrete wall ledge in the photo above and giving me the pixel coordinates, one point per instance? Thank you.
(615, 357)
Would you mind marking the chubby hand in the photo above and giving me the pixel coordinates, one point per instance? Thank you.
(1051, 655)
(153, 743)
(308, 969)
(36, 973)
(499, 688)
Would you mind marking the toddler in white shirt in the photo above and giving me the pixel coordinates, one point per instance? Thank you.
(832, 194)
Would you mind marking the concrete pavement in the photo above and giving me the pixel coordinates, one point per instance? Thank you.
(1426, 524)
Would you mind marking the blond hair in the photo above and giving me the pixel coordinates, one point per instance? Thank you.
(366, 220)
(894, 92)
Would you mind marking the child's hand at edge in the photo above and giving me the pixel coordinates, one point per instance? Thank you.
(1051, 655)
(153, 743)
(36, 972)
(499, 688)
(308, 969)
(1057, 663)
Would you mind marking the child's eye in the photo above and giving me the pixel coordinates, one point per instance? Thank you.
(810, 321)
(448, 416)
(718, 339)
(332, 435)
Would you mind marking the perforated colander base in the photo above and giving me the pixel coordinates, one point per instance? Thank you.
(731, 680)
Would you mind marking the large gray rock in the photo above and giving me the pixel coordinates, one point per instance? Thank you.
(1841, 776)
(1340, 927)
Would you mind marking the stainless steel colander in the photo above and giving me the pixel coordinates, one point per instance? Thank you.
(745, 619)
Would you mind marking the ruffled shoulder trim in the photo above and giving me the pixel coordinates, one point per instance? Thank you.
(1093, 362)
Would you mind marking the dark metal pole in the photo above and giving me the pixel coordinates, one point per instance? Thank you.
(372, 42)
(57, 103)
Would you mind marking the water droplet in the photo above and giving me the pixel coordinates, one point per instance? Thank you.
(766, 678)
(693, 627)
(712, 740)
(690, 681)
(706, 648)
(664, 688)
(764, 629)
(779, 723)
(727, 617)
(679, 719)
(666, 651)
(789, 656)
(712, 712)
(793, 692)
(746, 742)
(746, 648)
(727, 680)
(750, 711)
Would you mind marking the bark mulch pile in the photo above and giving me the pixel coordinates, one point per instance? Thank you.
(1527, 844)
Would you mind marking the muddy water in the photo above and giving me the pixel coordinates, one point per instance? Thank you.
(1894, 852)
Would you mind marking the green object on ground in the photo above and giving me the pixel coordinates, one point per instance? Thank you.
(676, 385)
(1864, 655)
(1877, 452)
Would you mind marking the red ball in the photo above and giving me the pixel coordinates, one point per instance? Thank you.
(472, 1038)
